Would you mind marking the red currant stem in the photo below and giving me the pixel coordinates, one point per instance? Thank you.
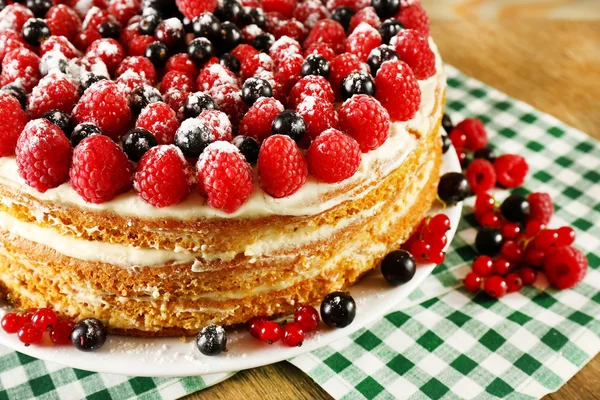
(299, 344)
(27, 344)
(269, 341)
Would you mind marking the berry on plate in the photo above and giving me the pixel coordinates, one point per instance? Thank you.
(212, 340)
(338, 309)
(88, 335)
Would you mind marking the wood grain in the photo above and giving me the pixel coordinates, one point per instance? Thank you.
(553, 65)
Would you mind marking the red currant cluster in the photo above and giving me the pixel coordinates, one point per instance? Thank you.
(306, 319)
(30, 326)
(427, 243)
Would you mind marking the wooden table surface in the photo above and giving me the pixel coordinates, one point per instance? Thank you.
(553, 65)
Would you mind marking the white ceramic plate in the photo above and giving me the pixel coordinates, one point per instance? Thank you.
(176, 357)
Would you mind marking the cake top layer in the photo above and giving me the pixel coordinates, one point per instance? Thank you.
(304, 118)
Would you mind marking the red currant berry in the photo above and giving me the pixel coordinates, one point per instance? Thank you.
(61, 333)
(484, 203)
(534, 257)
(462, 157)
(566, 236)
(436, 242)
(420, 250)
(437, 256)
(458, 138)
(495, 286)
(528, 275)
(502, 266)
(44, 319)
(472, 282)
(293, 335)
(439, 224)
(511, 231)
(12, 322)
(511, 251)
(546, 239)
(254, 325)
(269, 332)
(533, 228)
(483, 266)
(514, 282)
(307, 317)
(29, 334)
(491, 220)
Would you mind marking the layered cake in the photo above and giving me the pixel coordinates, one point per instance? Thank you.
(162, 172)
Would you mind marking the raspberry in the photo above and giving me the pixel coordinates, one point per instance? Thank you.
(176, 100)
(366, 15)
(177, 80)
(229, 100)
(398, 90)
(160, 120)
(94, 18)
(311, 85)
(193, 8)
(413, 49)
(413, 16)
(138, 45)
(333, 156)
(284, 47)
(9, 41)
(362, 40)
(473, 131)
(43, 155)
(129, 33)
(59, 43)
(279, 91)
(13, 17)
(243, 52)
(285, 7)
(282, 168)
(225, 176)
(309, 12)
(12, 121)
(256, 64)
(54, 92)
(141, 66)
(289, 71)
(540, 207)
(104, 105)
(109, 51)
(291, 28)
(321, 49)
(100, 169)
(163, 177)
(216, 75)
(481, 176)
(355, 5)
(257, 121)
(365, 119)
(123, 10)
(129, 81)
(63, 21)
(511, 170)
(341, 66)
(84, 39)
(249, 32)
(273, 19)
(183, 63)
(218, 123)
(318, 114)
(329, 32)
(21, 66)
(565, 266)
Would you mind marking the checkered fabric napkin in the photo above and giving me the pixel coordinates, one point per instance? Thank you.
(444, 343)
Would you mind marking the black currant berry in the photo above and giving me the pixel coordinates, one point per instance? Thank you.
(453, 188)
(248, 146)
(207, 25)
(231, 36)
(255, 88)
(39, 8)
(196, 103)
(83, 131)
(388, 29)
(188, 25)
(158, 53)
(263, 42)
(201, 50)
(446, 142)
(379, 55)
(137, 142)
(141, 96)
(88, 335)
(212, 340)
(357, 82)
(398, 267)
(228, 10)
(447, 124)
(54, 61)
(488, 241)
(88, 80)
(515, 208)
(109, 29)
(343, 15)
(35, 31)
(148, 24)
(289, 123)
(316, 64)
(252, 16)
(486, 153)
(164, 7)
(386, 8)
(17, 92)
(60, 119)
(230, 62)
(192, 137)
(170, 32)
(338, 309)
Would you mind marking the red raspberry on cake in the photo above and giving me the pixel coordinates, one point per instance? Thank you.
(289, 71)
(104, 105)
(59, 43)
(83, 40)
(229, 100)
(318, 114)
(565, 267)
(177, 80)
(362, 40)
(329, 32)
(54, 92)
(243, 52)
(12, 121)
(124, 10)
(138, 45)
(129, 33)
(284, 47)
(540, 207)
(282, 168)
(355, 5)
(284, 7)
(14, 16)
(309, 12)
(193, 8)
(109, 51)
(218, 123)
(366, 15)
(224, 176)
(21, 66)
(183, 63)
(365, 119)
(43, 155)
(413, 16)
(9, 41)
(321, 49)
(141, 66)
(511, 170)
(160, 120)
(63, 21)
(398, 90)
(341, 66)
(176, 100)
(100, 169)
(333, 156)
(256, 64)
(257, 121)
(95, 17)
(474, 133)
(129, 81)
(311, 85)
(216, 75)
(481, 176)
(163, 177)
(413, 49)
(291, 28)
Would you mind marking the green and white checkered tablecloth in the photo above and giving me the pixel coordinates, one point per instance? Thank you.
(443, 342)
